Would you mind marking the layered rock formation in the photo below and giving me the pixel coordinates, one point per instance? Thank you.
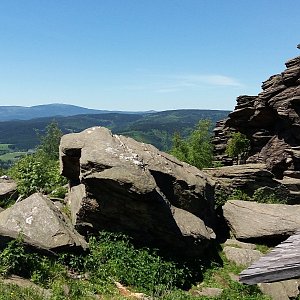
(121, 185)
(248, 220)
(271, 120)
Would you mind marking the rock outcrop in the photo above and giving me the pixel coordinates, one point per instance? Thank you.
(121, 185)
(248, 178)
(270, 120)
(8, 189)
(40, 224)
(248, 219)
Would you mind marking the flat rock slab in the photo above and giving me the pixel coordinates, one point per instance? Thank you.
(248, 219)
(118, 184)
(241, 257)
(40, 223)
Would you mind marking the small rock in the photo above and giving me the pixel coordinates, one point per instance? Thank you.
(208, 292)
(232, 242)
(234, 277)
(242, 257)
(282, 290)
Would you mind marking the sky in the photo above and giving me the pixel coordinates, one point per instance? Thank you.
(138, 55)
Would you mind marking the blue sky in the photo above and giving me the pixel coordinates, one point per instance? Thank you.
(142, 54)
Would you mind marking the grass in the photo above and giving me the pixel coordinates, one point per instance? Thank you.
(14, 292)
(112, 258)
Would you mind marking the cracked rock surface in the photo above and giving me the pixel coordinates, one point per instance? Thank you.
(40, 223)
(248, 219)
(119, 184)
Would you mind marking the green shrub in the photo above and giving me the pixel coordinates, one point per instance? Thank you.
(13, 258)
(270, 196)
(238, 195)
(113, 258)
(37, 173)
(197, 148)
(238, 146)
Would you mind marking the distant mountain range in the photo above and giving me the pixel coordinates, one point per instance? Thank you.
(156, 128)
(8, 113)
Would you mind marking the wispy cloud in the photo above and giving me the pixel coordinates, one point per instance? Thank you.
(201, 79)
(170, 83)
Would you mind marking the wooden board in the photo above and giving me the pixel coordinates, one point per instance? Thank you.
(283, 262)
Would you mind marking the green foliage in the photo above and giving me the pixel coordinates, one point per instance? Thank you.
(13, 258)
(50, 141)
(197, 149)
(270, 196)
(238, 145)
(238, 195)
(113, 257)
(36, 173)
(39, 172)
(59, 192)
(219, 276)
(14, 292)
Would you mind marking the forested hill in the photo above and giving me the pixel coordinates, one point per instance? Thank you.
(8, 113)
(155, 128)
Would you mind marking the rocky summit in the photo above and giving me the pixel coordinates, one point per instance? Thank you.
(271, 121)
(121, 185)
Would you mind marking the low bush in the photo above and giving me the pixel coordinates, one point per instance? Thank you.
(37, 173)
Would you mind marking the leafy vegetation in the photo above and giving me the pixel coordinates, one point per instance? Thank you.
(39, 172)
(197, 148)
(261, 195)
(112, 258)
(238, 146)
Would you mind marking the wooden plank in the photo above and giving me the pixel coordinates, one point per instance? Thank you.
(283, 262)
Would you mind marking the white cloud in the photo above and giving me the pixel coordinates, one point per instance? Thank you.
(171, 83)
(202, 79)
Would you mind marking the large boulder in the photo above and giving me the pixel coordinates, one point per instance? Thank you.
(248, 219)
(119, 184)
(40, 224)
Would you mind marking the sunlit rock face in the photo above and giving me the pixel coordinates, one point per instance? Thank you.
(271, 120)
(119, 184)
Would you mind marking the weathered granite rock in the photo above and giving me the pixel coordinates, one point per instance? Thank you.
(270, 120)
(248, 219)
(40, 223)
(236, 243)
(248, 178)
(240, 256)
(119, 184)
(281, 290)
(8, 189)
